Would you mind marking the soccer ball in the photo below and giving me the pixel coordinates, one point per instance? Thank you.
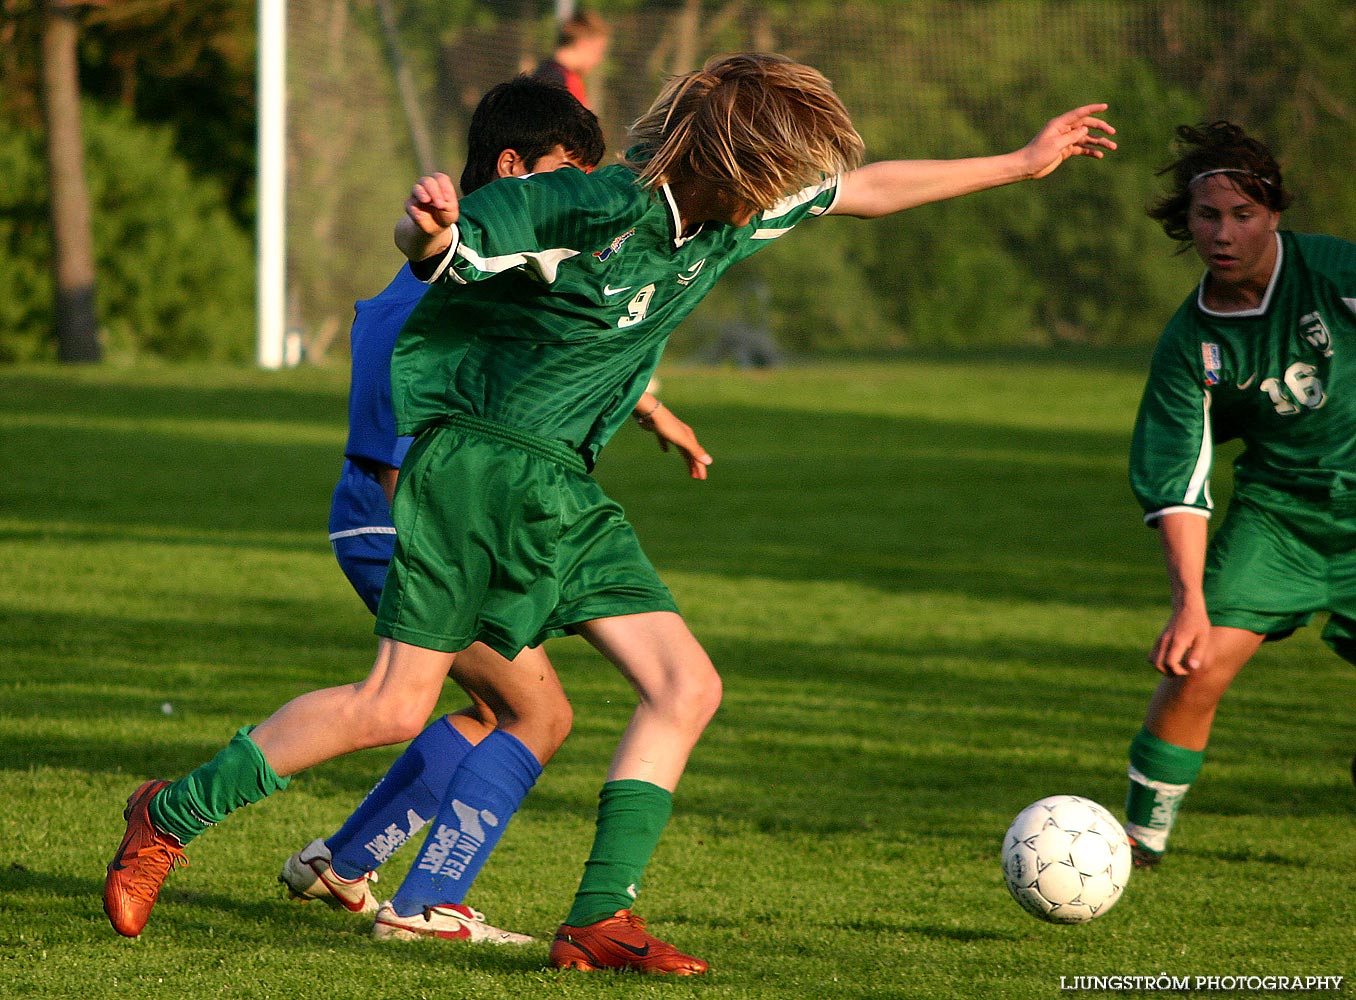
(1066, 859)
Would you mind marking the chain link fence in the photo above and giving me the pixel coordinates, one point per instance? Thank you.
(922, 79)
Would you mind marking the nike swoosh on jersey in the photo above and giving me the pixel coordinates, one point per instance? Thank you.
(1244, 385)
(609, 290)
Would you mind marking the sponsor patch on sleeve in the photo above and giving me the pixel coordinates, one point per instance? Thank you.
(1210, 359)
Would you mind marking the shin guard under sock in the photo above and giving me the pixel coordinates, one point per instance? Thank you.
(631, 819)
(401, 803)
(483, 795)
(235, 777)
(1161, 773)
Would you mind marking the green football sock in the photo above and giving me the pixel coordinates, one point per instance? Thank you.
(631, 818)
(1161, 773)
(235, 777)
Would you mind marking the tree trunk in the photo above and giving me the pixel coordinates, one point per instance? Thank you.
(409, 95)
(72, 241)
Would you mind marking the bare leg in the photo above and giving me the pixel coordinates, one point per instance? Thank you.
(523, 697)
(391, 705)
(476, 720)
(394, 702)
(679, 692)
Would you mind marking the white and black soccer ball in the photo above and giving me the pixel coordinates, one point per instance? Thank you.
(1066, 859)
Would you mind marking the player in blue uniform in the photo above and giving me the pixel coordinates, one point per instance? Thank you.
(360, 525)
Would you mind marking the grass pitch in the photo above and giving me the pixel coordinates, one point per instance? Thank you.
(925, 584)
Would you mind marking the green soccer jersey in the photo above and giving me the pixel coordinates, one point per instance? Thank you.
(550, 310)
(1282, 377)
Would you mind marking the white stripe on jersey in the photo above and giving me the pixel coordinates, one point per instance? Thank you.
(1200, 476)
(794, 201)
(801, 197)
(1151, 518)
(447, 257)
(545, 262)
(351, 532)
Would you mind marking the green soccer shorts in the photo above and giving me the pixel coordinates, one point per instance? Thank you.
(503, 538)
(1278, 558)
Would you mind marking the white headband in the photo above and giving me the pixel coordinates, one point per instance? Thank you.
(1229, 170)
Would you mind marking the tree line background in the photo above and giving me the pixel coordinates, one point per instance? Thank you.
(166, 120)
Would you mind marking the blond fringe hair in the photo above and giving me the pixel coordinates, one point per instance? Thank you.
(759, 126)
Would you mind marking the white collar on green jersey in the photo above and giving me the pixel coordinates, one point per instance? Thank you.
(1261, 307)
(676, 219)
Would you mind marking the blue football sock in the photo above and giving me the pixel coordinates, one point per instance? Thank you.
(484, 794)
(401, 803)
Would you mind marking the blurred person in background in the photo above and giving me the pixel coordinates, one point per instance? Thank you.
(581, 47)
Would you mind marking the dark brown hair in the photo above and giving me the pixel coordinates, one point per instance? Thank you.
(530, 117)
(1216, 147)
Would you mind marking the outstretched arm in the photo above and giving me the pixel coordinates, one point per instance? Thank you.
(893, 185)
(431, 211)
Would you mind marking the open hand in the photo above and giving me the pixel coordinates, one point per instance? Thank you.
(1069, 134)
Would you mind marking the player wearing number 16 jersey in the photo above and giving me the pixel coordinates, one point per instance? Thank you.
(1265, 351)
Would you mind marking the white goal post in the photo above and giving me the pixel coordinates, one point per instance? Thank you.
(272, 186)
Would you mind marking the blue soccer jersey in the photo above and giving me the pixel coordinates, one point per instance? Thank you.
(360, 525)
(372, 434)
